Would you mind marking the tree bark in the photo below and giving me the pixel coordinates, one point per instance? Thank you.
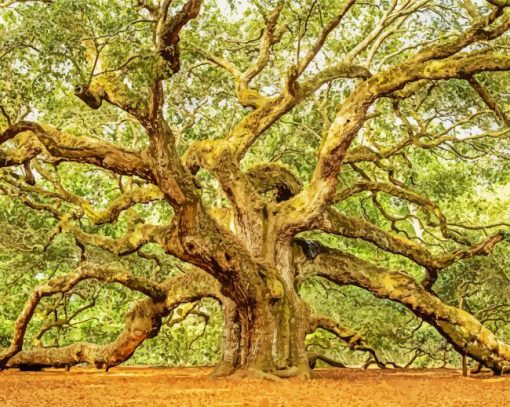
(142, 322)
(462, 330)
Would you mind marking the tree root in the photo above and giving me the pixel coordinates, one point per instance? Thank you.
(314, 357)
(222, 369)
(254, 374)
(295, 372)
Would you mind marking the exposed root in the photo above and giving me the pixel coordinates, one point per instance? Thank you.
(222, 369)
(295, 372)
(314, 357)
(253, 374)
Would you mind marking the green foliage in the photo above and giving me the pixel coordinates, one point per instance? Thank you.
(45, 51)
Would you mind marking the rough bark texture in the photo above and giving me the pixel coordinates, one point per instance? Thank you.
(461, 329)
(243, 255)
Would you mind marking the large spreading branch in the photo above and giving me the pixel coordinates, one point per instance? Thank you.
(337, 223)
(143, 320)
(440, 61)
(460, 328)
(67, 147)
(64, 284)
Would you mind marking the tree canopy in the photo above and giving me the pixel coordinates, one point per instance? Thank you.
(256, 184)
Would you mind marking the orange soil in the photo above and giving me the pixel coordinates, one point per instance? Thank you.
(138, 386)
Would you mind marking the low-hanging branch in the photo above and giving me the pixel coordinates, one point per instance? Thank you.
(142, 321)
(240, 244)
(459, 328)
(65, 284)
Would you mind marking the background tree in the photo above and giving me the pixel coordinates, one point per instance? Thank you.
(263, 156)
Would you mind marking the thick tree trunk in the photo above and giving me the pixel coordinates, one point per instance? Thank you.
(268, 335)
(293, 317)
(231, 341)
(268, 338)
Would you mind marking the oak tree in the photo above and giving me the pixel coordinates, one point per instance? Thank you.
(241, 140)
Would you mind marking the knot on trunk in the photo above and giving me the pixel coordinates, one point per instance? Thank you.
(310, 248)
(276, 288)
(92, 97)
(192, 245)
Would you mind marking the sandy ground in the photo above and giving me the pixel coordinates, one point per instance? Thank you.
(191, 387)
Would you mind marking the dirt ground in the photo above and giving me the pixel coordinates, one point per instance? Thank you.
(191, 387)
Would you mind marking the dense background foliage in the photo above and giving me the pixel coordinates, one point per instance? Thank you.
(47, 50)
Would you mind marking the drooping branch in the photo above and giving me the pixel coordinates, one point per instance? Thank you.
(143, 321)
(105, 273)
(353, 339)
(29, 202)
(460, 328)
(335, 222)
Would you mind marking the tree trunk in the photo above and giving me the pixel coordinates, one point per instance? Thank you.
(231, 341)
(293, 317)
(269, 338)
(267, 335)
